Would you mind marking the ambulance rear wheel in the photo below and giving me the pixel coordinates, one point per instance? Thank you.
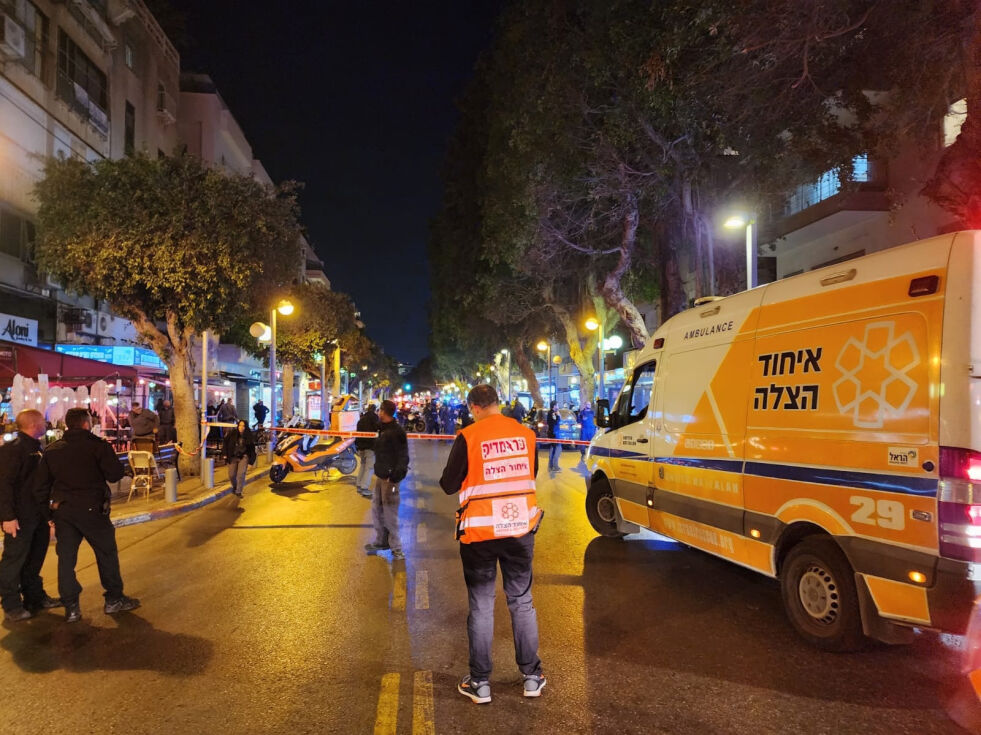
(818, 589)
(277, 473)
(601, 509)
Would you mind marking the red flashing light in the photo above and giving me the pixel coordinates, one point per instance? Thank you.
(974, 513)
(974, 468)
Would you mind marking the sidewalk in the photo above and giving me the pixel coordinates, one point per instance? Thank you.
(191, 495)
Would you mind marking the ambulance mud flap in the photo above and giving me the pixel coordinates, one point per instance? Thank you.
(873, 624)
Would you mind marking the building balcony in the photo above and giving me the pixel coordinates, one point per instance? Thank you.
(79, 102)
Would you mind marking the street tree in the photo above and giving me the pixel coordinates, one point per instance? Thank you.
(172, 245)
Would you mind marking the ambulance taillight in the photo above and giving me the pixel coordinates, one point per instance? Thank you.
(959, 504)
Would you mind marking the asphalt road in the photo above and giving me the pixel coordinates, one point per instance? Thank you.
(265, 616)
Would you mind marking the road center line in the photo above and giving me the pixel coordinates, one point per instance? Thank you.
(423, 714)
(398, 591)
(422, 590)
(387, 717)
(421, 533)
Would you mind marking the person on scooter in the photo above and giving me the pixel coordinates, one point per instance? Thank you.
(365, 449)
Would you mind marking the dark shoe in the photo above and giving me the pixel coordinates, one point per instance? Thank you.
(398, 555)
(45, 603)
(73, 613)
(478, 691)
(121, 604)
(17, 614)
(374, 548)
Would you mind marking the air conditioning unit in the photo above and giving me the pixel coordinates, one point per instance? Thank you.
(13, 43)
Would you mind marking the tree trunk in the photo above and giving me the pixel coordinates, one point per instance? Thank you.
(956, 184)
(612, 289)
(288, 375)
(186, 412)
(584, 358)
(528, 373)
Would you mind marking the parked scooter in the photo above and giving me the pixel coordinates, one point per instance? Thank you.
(415, 423)
(315, 452)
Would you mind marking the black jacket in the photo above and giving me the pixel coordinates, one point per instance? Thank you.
(18, 461)
(76, 470)
(368, 422)
(391, 452)
(233, 449)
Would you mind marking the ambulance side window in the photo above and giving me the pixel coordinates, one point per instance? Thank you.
(635, 398)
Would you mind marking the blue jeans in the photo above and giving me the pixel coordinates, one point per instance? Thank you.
(480, 562)
(554, 452)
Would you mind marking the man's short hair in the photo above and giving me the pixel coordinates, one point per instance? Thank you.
(76, 418)
(482, 395)
(137, 404)
(388, 408)
(26, 418)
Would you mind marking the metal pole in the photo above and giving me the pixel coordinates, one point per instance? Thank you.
(204, 400)
(551, 386)
(324, 413)
(509, 376)
(751, 277)
(272, 384)
(602, 361)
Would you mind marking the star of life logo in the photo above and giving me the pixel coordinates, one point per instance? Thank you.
(509, 511)
(875, 382)
(510, 516)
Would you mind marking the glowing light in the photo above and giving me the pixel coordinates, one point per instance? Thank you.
(755, 533)
(592, 324)
(613, 343)
(284, 307)
(735, 222)
(542, 346)
(918, 577)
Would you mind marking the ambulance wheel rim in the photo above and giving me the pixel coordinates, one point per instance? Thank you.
(819, 594)
(606, 509)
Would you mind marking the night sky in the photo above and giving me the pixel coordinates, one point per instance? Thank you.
(356, 100)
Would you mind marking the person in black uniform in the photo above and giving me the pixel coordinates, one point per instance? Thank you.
(26, 533)
(73, 475)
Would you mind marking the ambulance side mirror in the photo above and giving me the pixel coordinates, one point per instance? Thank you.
(603, 413)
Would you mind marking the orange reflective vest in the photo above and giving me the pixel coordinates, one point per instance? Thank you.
(497, 498)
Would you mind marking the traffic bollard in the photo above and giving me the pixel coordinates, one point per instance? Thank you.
(209, 473)
(170, 484)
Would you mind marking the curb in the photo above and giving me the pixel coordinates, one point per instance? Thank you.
(181, 507)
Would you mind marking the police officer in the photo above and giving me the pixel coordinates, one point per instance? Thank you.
(73, 475)
(492, 465)
(26, 530)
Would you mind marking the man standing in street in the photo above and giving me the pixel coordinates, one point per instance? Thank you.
(518, 411)
(260, 411)
(365, 449)
(26, 530)
(391, 467)
(492, 465)
(73, 475)
(554, 449)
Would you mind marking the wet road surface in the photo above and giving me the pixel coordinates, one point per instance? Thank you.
(266, 616)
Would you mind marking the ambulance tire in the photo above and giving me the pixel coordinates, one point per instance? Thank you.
(600, 507)
(818, 589)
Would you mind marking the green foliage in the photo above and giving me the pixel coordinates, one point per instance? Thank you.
(166, 240)
(320, 318)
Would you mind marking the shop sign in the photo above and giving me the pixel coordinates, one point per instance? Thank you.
(18, 329)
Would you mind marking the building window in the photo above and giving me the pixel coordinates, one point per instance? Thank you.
(827, 185)
(128, 56)
(35, 36)
(82, 84)
(16, 236)
(129, 139)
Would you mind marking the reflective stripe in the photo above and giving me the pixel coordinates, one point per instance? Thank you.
(488, 521)
(496, 488)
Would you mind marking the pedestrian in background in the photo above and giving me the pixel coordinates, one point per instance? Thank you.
(587, 423)
(145, 425)
(26, 528)
(391, 467)
(168, 429)
(518, 411)
(260, 411)
(238, 449)
(364, 447)
(492, 465)
(444, 419)
(72, 476)
(554, 449)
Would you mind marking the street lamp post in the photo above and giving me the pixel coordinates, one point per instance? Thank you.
(507, 352)
(546, 347)
(749, 222)
(285, 308)
(592, 324)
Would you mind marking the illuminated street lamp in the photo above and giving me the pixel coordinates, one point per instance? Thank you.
(749, 222)
(285, 308)
(546, 347)
(592, 324)
(507, 352)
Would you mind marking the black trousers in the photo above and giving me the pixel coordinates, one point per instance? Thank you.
(72, 524)
(20, 565)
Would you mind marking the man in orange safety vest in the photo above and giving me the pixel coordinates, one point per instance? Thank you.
(492, 465)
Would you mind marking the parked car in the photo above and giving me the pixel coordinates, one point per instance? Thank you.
(569, 427)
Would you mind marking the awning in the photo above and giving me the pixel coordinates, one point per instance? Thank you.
(62, 370)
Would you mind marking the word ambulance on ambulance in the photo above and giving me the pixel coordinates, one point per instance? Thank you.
(824, 430)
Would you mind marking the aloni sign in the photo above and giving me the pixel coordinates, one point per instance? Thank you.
(18, 329)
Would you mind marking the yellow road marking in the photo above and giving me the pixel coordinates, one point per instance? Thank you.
(421, 533)
(387, 717)
(422, 704)
(398, 591)
(422, 590)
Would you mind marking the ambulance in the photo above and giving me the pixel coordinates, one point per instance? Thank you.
(824, 430)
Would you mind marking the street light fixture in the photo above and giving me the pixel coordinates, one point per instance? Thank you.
(749, 222)
(593, 324)
(507, 352)
(546, 347)
(284, 307)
